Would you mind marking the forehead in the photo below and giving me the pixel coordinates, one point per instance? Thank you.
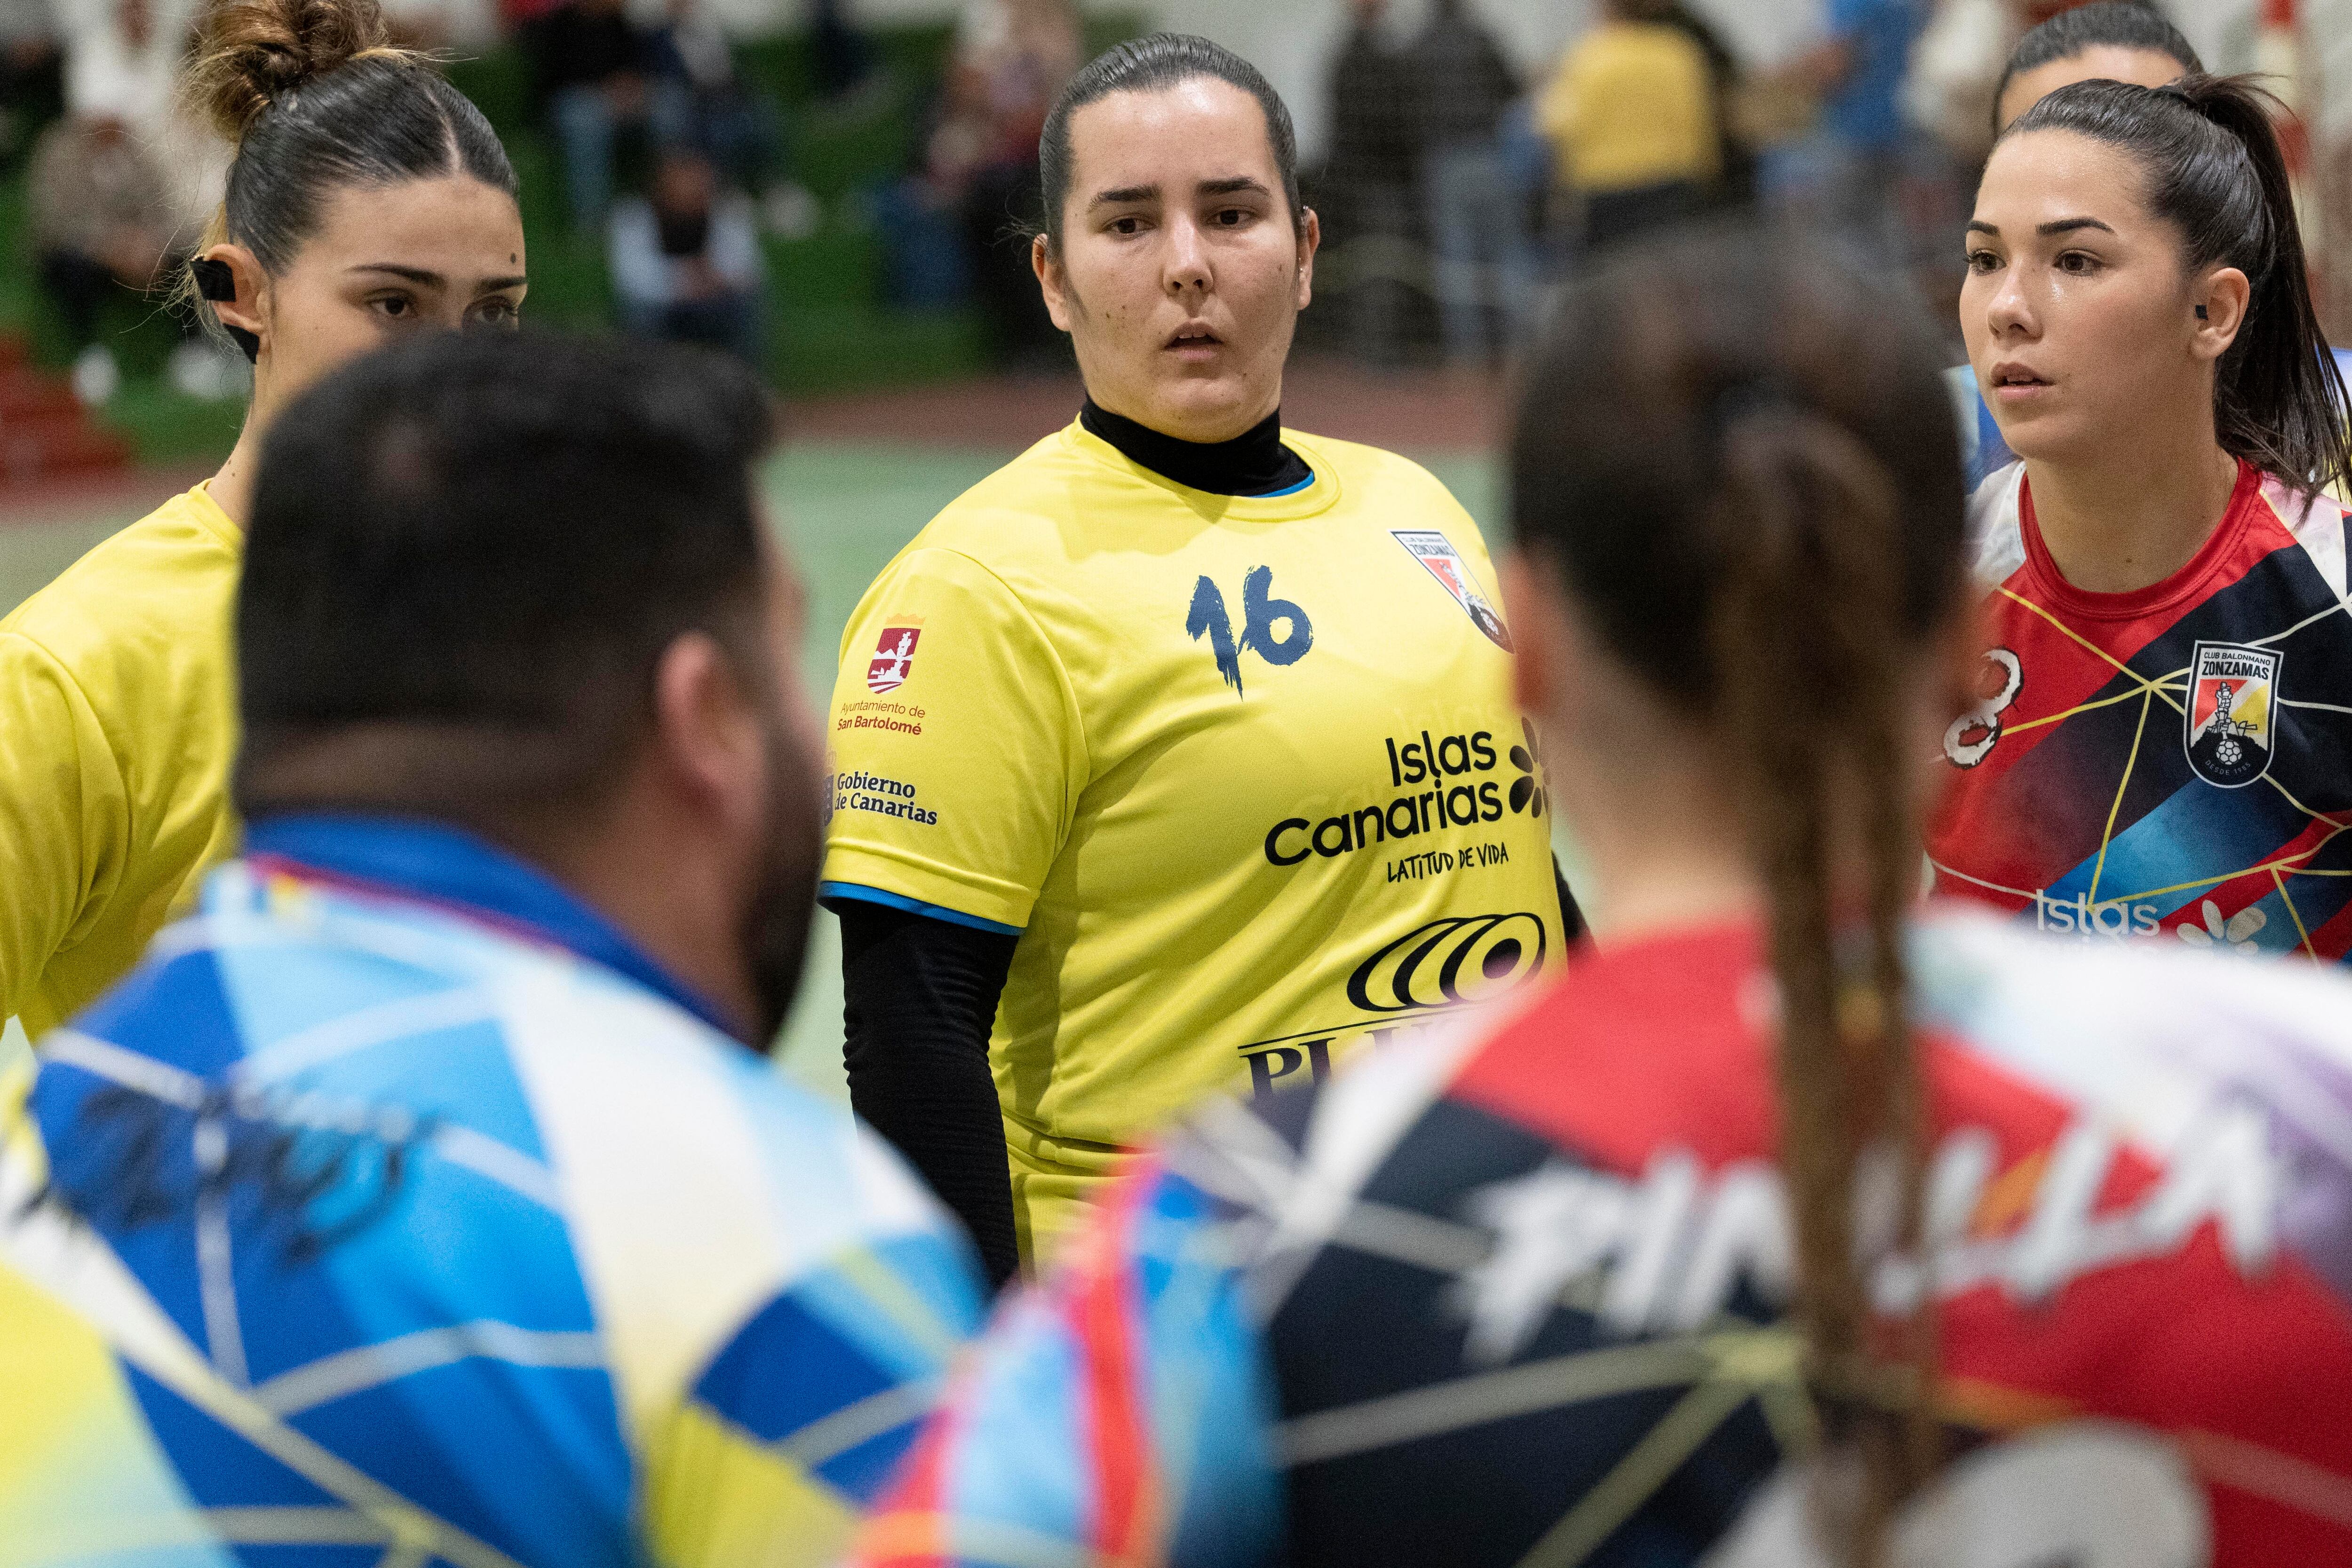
(454, 224)
(2044, 176)
(1202, 128)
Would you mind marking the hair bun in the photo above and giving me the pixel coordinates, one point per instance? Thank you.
(250, 53)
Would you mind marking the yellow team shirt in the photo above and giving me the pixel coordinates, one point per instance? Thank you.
(117, 728)
(1243, 772)
(1632, 105)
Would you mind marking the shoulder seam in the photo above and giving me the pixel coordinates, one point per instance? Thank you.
(1061, 671)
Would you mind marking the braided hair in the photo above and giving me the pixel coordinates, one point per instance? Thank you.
(1735, 452)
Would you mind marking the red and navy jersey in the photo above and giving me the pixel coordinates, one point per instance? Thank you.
(2176, 760)
(1519, 1295)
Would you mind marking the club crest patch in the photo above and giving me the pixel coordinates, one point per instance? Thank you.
(894, 659)
(1436, 552)
(2228, 728)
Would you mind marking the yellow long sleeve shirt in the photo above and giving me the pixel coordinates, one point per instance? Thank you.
(1632, 105)
(118, 723)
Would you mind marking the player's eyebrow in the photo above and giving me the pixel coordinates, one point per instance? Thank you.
(2055, 226)
(1123, 194)
(1233, 186)
(428, 280)
(415, 275)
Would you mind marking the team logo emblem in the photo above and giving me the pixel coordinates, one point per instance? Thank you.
(1436, 551)
(2232, 689)
(894, 659)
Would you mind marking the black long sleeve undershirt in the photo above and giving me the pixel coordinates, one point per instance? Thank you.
(1572, 918)
(919, 997)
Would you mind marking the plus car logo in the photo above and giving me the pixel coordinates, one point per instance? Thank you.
(1449, 961)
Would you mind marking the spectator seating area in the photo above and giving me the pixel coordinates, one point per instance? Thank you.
(833, 325)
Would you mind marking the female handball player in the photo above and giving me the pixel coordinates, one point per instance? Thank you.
(1180, 751)
(2162, 738)
(368, 200)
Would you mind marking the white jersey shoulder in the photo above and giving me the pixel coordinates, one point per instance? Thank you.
(2318, 524)
(1996, 531)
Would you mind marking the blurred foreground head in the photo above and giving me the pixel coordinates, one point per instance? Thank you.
(523, 586)
(1740, 610)
(2108, 40)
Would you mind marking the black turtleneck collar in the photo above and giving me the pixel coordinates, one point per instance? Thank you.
(1255, 462)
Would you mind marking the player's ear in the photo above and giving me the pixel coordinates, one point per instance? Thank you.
(2222, 298)
(1050, 280)
(708, 741)
(231, 280)
(1310, 240)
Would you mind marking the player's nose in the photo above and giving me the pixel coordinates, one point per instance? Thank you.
(2010, 312)
(1187, 269)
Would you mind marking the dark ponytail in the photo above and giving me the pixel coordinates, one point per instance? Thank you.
(2209, 146)
(1737, 451)
(315, 99)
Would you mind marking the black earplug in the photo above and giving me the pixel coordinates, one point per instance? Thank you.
(215, 282)
(2200, 314)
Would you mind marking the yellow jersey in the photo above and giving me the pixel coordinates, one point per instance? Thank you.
(117, 710)
(1632, 105)
(1243, 773)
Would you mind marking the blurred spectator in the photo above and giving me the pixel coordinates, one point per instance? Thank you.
(1477, 225)
(1955, 72)
(686, 261)
(1849, 169)
(120, 189)
(700, 101)
(122, 60)
(1010, 61)
(843, 56)
(1366, 192)
(32, 74)
(1735, 178)
(591, 64)
(100, 222)
(1632, 117)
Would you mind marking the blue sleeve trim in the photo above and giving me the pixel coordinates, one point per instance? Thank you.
(826, 892)
(1305, 484)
